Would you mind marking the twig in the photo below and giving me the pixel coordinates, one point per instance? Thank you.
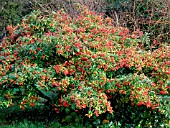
(117, 20)
(45, 10)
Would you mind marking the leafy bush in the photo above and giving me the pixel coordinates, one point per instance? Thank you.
(83, 65)
(150, 16)
(11, 13)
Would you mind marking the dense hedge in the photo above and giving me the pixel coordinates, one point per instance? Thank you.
(85, 66)
(11, 12)
(150, 16)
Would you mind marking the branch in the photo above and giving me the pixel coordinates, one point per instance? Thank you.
(40, 5)
(41, 94)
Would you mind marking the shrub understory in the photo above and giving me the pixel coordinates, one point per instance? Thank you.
(85, 70)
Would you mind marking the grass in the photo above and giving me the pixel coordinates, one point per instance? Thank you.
(37, 117)
(29, 118)
(42, 117)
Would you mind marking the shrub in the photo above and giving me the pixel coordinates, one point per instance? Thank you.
(84, 65)
(11, 13)
(150, 16)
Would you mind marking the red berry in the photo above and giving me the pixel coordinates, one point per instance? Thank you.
(162, 92)
(32, 104)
